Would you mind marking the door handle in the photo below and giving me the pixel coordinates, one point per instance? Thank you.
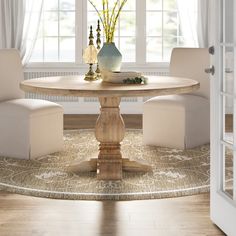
(210, 70)
(211, 50)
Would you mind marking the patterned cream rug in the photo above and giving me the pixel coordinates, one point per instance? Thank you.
(175, 172)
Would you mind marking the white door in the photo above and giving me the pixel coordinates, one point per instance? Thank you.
(223, 117)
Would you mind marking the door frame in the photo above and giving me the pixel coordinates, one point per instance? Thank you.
(223, 208)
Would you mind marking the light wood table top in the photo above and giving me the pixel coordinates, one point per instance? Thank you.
(76, 86)
(110, 127)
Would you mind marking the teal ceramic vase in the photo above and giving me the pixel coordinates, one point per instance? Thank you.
(109, 57)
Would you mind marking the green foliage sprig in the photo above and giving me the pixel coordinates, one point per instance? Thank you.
(136, 80)
(109, 18)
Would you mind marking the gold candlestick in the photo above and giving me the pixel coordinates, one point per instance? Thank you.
(98, 71)
(90, 57)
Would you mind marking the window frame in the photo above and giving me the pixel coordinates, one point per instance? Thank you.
(81, 42)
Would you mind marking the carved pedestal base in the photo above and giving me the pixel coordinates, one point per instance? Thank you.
(92, 166)
(110, 131)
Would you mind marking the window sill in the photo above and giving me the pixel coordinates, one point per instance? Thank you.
(73, 67)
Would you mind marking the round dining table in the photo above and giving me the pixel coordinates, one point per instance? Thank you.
(110, 127)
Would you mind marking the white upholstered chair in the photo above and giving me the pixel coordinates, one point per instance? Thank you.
(181, 121)
(29, 128)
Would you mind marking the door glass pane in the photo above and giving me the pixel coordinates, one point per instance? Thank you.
(229, 19)
(228, 119)
(228, 184)
(228, 89)
(228, 66)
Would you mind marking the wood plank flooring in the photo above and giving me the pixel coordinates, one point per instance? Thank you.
(29, 216)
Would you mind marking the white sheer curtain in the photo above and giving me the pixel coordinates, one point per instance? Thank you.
(19, 25)
(31, 27)
(195, 21)
(12, 14)
(203, 23)
(188, 20)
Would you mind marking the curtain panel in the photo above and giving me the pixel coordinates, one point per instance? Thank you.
(203, 23)
(19, 25)
(12, 14)
(188, 21)
(195, 16)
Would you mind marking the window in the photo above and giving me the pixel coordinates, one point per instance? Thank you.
(146, 32)
(165, 33)
(125, 37)
(56, 39)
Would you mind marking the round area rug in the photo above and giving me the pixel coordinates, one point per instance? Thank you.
(175, 172)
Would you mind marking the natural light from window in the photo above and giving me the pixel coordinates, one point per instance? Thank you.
(56, 39)
(146, 33)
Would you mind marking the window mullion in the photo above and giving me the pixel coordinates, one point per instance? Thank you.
(140, 32)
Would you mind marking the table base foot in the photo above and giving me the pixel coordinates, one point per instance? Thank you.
(84, 166)
(108, 169)
(135, 166)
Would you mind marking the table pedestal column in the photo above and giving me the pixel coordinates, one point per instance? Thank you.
(109, 131)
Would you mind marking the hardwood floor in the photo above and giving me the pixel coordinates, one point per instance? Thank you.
(29, 216)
